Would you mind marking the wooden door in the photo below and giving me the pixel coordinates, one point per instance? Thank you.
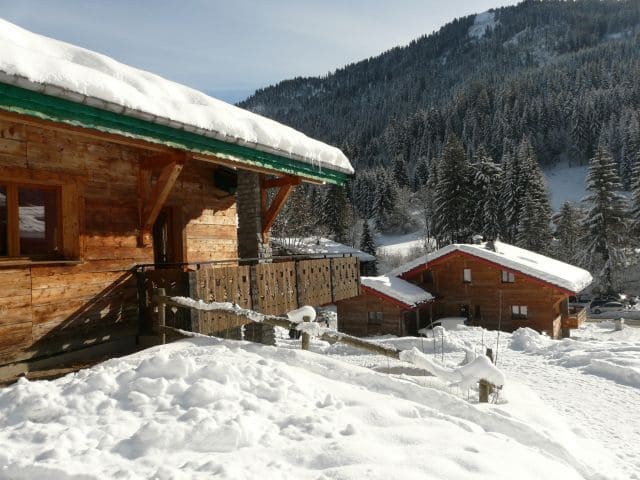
(166, 238)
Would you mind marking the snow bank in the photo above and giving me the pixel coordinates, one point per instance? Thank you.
(59, 69)
(528, 340)
(397, 288)
(205, 408)
(596, 349)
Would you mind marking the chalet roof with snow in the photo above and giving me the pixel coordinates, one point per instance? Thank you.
(60, 82)
(549, 270)
(396, 289)
(320, 246)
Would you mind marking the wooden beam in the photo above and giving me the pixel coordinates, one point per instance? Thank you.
(280, 181)
(156, 199)
(278, 202)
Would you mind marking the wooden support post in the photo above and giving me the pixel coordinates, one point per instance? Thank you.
(162, 312)
(485, 388)
(306, 338)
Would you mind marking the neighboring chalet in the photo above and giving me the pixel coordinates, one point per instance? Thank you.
(496, 286)
(108, 173)
(318, 247)
(387, 305)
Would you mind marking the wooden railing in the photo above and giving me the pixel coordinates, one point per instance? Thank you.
(576, 317)
(271, 288)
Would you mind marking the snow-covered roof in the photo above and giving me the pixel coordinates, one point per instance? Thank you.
(320, 246)
(544, 268)
(397, 288)
(62, 70)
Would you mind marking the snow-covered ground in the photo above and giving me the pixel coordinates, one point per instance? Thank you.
(400, 244)
(209, 408)
(566, 183)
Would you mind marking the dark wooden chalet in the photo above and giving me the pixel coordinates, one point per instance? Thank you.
(500, 286)
(104, 168)
(386, 305)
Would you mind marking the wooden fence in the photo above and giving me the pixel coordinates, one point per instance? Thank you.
(271, 288)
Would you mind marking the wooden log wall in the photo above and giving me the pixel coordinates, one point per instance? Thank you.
(488, 292)
(45, 309)
(353, 316)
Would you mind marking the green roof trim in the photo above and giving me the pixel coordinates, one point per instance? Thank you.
(27, 102)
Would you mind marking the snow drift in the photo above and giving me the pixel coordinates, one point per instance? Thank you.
(203, 408)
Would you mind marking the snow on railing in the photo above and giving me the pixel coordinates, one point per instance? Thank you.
(481, 369)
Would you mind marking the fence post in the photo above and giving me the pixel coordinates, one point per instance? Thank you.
(162, 312)
(306, 338)
(485, 387)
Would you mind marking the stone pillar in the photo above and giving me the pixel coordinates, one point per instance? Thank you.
(251, 245)
(250, 242)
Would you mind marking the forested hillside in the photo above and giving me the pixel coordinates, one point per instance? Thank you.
(561, 73)
(449, 134)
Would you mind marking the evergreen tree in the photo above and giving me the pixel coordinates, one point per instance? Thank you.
(421, 174)
(568, 222)
(486, 196)
(534, 222)
(451, 201)
(604, 237)
(400, 172)
(296, 219)
(635, 202)
(385, 200)
(336, 213)
(368, 245)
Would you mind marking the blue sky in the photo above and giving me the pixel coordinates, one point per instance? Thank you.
(229, 49)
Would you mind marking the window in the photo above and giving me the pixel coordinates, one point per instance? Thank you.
(508, 277)
(375, 318)
(38, 221)
(427, 276)
(466, 275)
(32, 216)
(519, 311)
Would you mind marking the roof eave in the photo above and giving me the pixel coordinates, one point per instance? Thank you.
(77, 110)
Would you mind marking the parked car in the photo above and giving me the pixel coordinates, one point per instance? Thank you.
(607, 307)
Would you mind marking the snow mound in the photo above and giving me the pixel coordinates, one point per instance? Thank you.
(480, 368)
(207, 408)
(528, 340)
(59, 69)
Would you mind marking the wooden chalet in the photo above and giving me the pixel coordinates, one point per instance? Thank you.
(500, 286)
(491, 284)
(387, 305)
(114, 182)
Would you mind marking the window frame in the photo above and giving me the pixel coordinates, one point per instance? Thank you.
(519, 312)
(464, 275)
(375, 320)
(510, 277)
(69, 208)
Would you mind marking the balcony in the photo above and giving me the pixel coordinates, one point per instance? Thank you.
(284, 284)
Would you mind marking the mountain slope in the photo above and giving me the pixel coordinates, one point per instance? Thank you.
(562, 73)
